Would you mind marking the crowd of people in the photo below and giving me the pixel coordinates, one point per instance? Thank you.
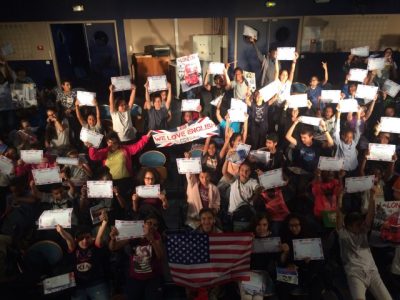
(225, 196)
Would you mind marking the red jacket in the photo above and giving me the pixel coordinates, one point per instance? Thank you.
(128, 151)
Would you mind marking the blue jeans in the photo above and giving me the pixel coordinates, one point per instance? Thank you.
(99, 291)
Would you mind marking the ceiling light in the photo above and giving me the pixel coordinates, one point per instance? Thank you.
(77, 8)
(270, 4)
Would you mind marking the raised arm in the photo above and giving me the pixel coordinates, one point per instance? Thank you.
(228, 85)
(111, 98)
(260, 56)
(293, 68)
(102, 228)
(67, 237)
(206, 83)
(289, 134)
(206, 145)
(218, 112)
(329, 141)
(78, 113)
(276, 70)
(132, 96)
(370, 108)
(371, 209)
(245, 128)
(326, 75)
(98, 114)
(225, 172)
(147, 102)
(169, 96)
(339, 214)
(225, 147)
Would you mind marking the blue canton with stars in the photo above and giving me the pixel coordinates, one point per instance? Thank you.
(188, 248)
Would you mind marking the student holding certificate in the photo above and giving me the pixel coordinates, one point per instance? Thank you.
(359, 264)
(276, 156)
(121, 115)
(217, 89)
(57, 131)
(93, 121)
(88, 258)
(201, 193)
(144, 280)
(309, 271)
(58, 197)
(240, 86)
(315, 87)
(158, 113)
(144, 206)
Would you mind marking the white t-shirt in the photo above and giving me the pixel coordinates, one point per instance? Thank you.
(239, 89)
(284, 91)
(122, 125)
(240, 191)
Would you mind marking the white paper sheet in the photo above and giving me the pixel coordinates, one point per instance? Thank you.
(299, 100)
(360, 51)
(236, 115)
(359, 184)
(71, 161)
(189, 165)
(308, 248)
(49, 219)
(348, 105)
(190, 105)
(216, 68)
(367, 92)
(251, 80)
(391, 88)
(6, 165)
(358, 75)
(148, 191)
(91, 137)
(255, 285)
(376, 63)
(32, 156)
(330, 96)
(382, 152)
(157, 83)
(121, 83)
(238, 105)
(129, 229)
(46, 176)
(58, 283)
(267, 245)
(85, 98)
(249, 31)
(391, 125)
(286, 53)
(260, 156)
(330, 163)
(99, 189)
(310, 120)
(287, 275)
(240, 155)
(272, 179)
(217, 100)
(269, 91)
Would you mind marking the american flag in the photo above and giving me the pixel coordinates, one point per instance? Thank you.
(199, 260)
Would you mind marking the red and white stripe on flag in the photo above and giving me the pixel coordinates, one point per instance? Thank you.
(229, 260)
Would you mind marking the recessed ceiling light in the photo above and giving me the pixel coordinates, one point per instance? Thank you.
(77, 8)
(270, 4)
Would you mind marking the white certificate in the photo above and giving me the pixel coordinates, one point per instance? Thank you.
(299, 100)
(391, 88)
(286, 53)
(6, 165)
(308, 248)
(216, 68)
(32, 156)
(331, 96)
(129, 229)
(260, 156)
(217, 100)
(49, 219)
(148, 191)
(99, 189)
(348, 105)
(236, 115)
(189, 165)
(85, 98)
(121, 83)
(383, 152)
(92, 137)
(58, 283)
(46, 176)
(360, 51)
(358, 75)
(272, 179)
(249, 31)
(238, 104)
(157, 83)
(240, 154)
(391, 125)
(310, 120)
(330, 163)
(376, 63)
(367, 92)
(270, 90)
(256, 283)
(71, 161)
(190, 105)
(267, 245)
(359, 184)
